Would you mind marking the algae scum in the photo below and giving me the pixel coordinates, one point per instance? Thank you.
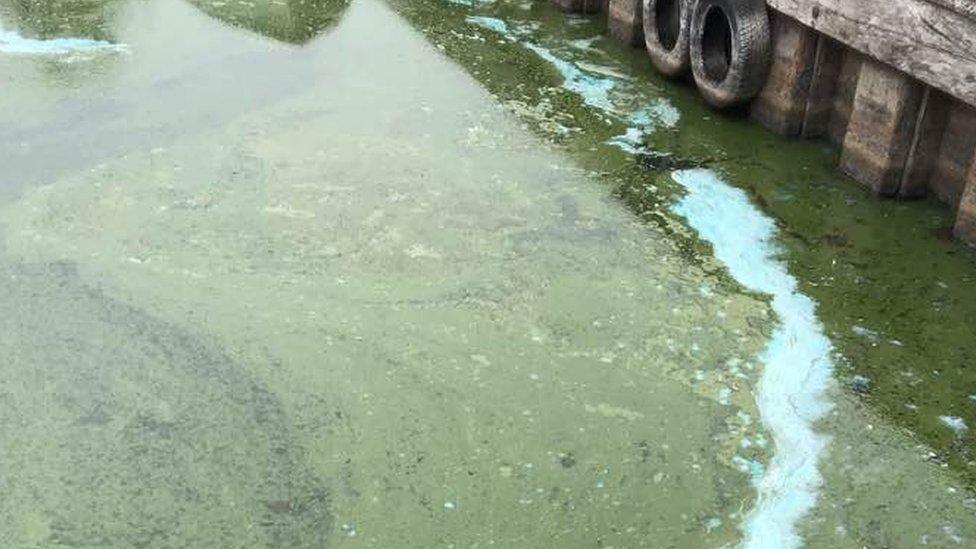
(272, 277)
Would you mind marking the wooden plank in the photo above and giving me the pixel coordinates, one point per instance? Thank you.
(923, 38)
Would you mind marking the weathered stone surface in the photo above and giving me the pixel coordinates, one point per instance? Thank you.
(881, 127)
(782, 103)
(581, 6)
(843, 102)
(955, 153)
(625, 21)
(965, 229)
(932, 40)
(929, 129)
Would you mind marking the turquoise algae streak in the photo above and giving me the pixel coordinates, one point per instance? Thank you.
(798, 364)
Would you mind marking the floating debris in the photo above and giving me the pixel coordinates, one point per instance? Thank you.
(860, 384)
(956, 423)
(865, 332)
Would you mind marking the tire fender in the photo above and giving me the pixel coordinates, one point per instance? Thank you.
(729, 49)
(666, 35)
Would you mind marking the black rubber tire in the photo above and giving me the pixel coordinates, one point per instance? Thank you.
(730, 50)
(666, 35)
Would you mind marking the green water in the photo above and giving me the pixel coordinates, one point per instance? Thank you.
(391, 288)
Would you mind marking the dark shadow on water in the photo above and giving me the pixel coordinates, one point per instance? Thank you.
(46, 19)
(292, 21)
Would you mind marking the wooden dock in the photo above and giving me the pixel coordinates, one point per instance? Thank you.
(891, 82)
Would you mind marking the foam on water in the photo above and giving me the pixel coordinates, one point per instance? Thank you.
(470, 3)
(593, 89)
(13, 43)
(659, 114)
(956, 423)
(490, 23)
(798, 365)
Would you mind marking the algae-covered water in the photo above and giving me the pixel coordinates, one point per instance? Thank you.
(445, 274)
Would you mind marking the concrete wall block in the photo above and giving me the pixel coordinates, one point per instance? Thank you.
(881, 127)
(581, 6)
(625, 21)
(965, 228)
(781, 105)
(846, 87)
(952, 163)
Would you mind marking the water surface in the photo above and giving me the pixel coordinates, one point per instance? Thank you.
(282, 280)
